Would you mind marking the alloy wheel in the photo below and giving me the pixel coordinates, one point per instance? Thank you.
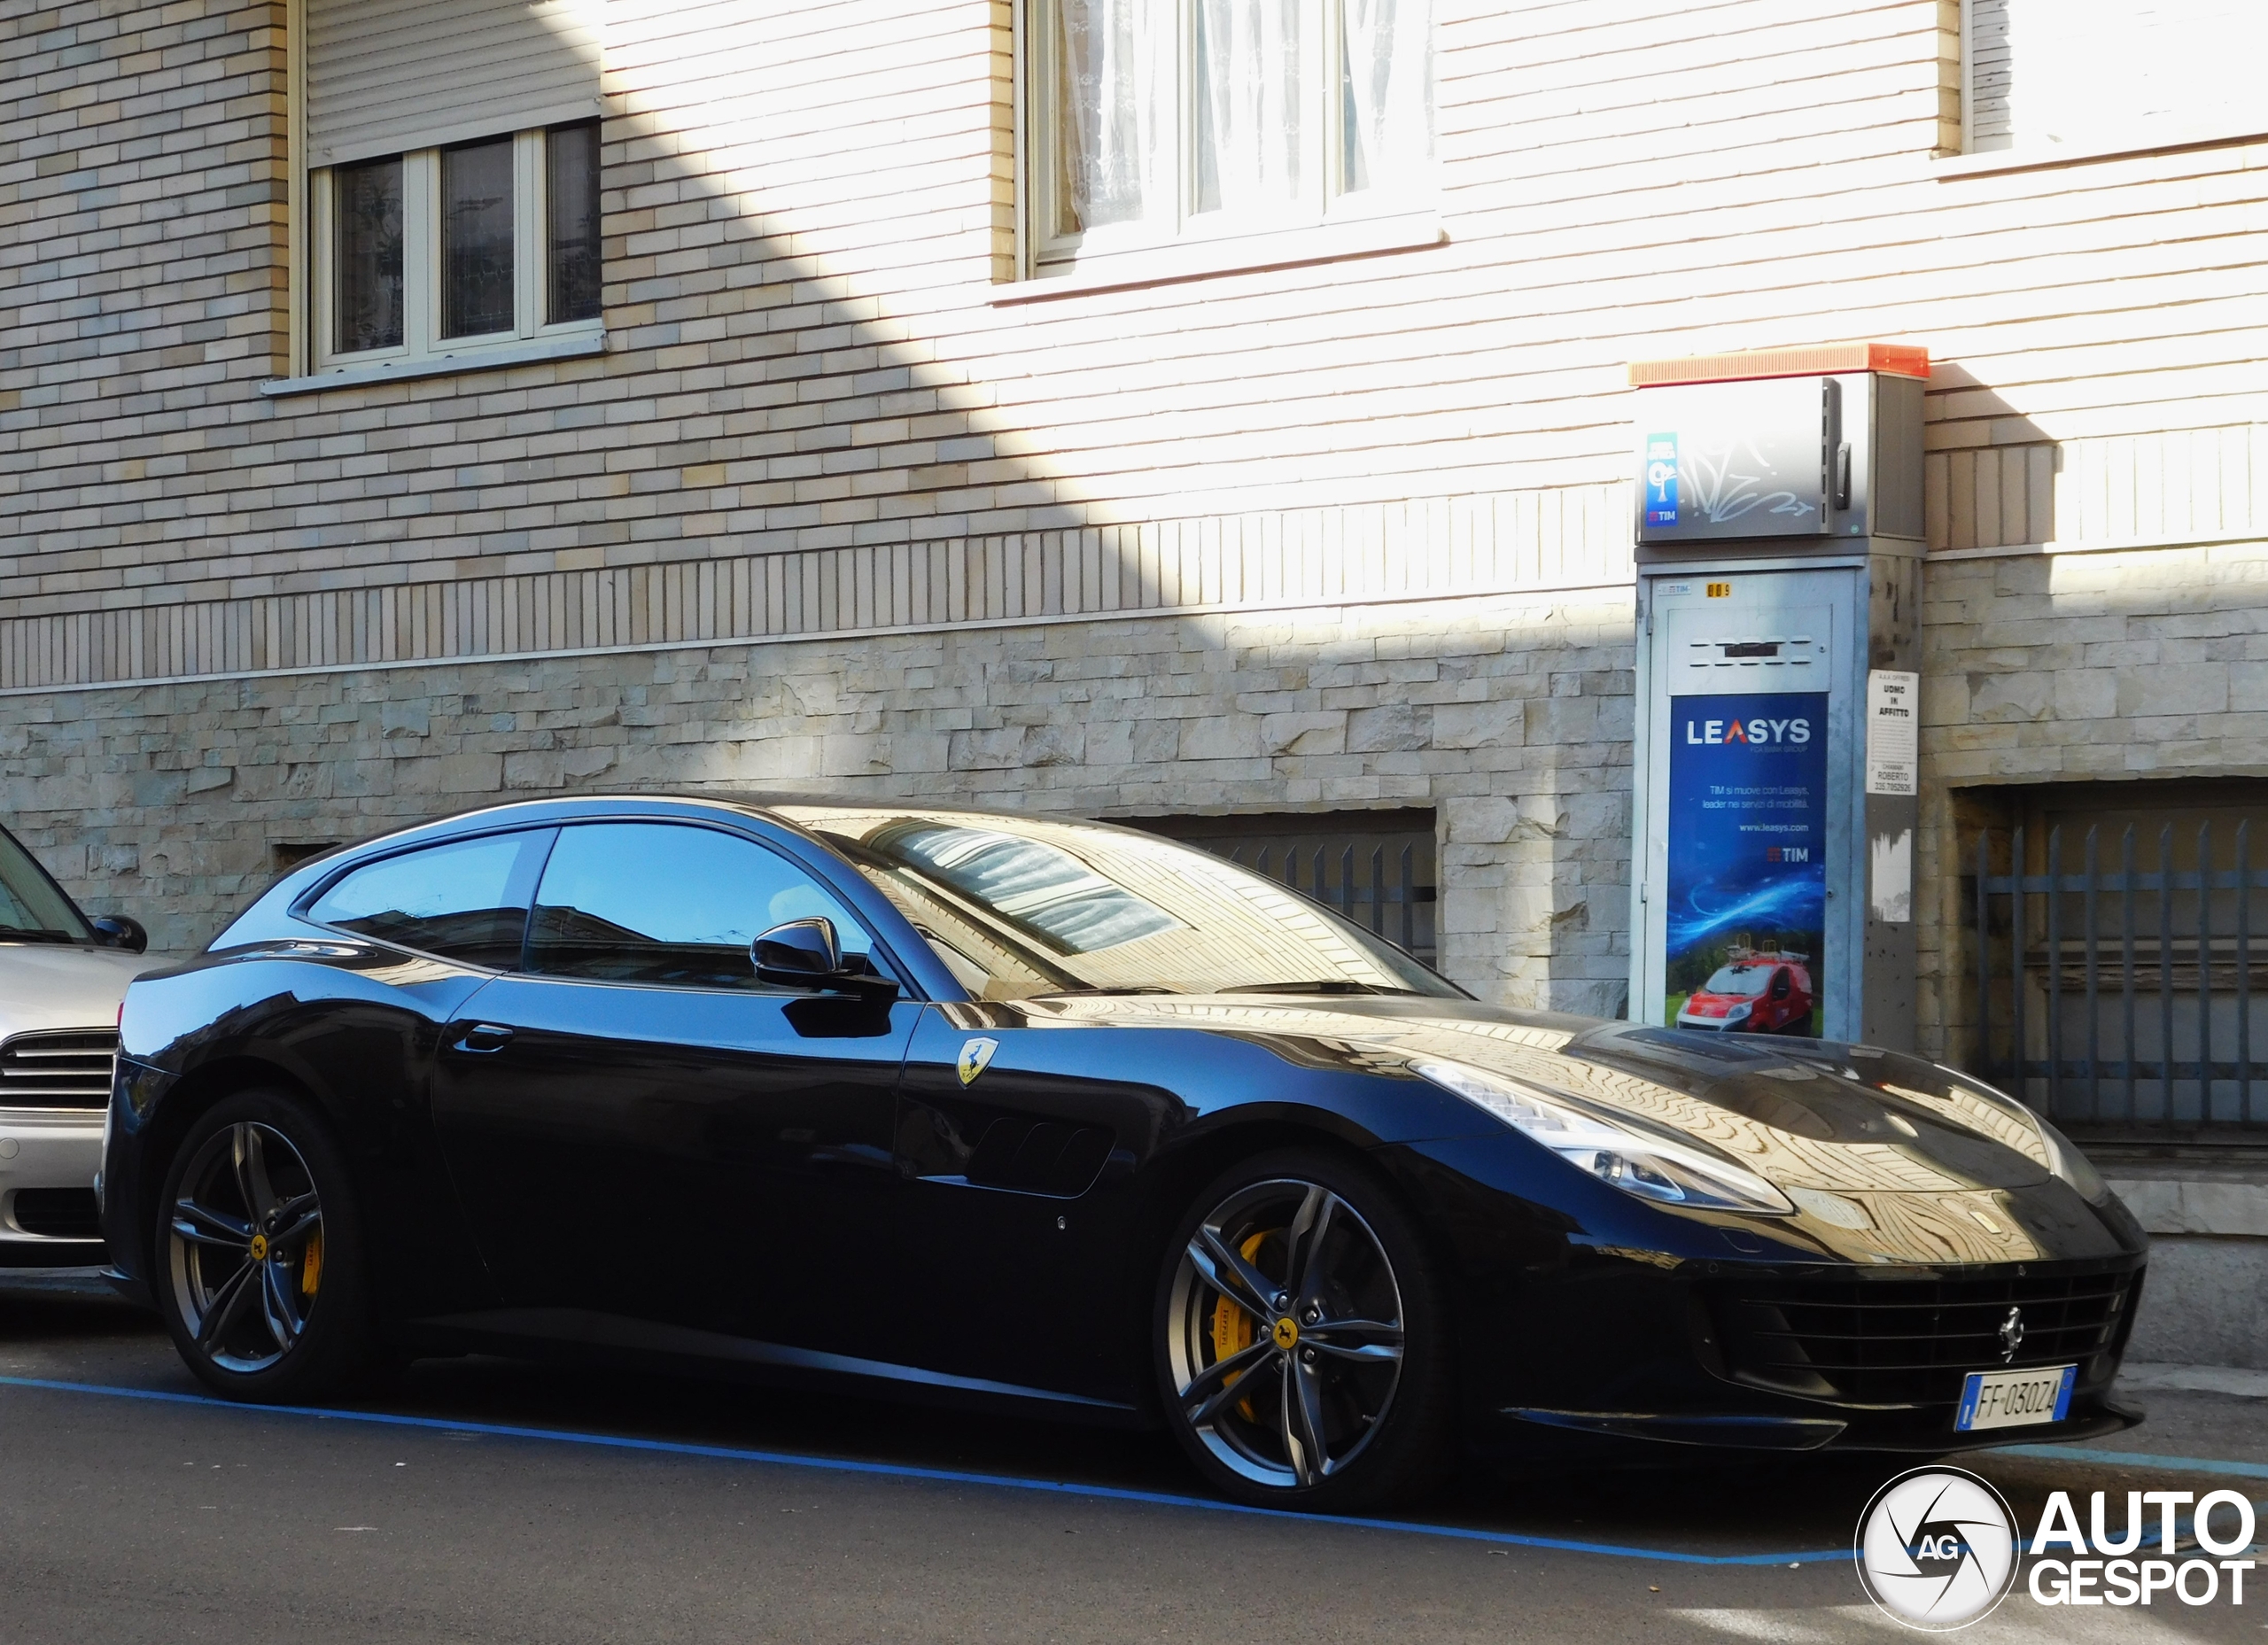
(247, 1238)
(1285, 1333)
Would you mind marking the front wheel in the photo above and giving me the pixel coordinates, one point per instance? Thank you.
(1300, 1353)
(260, 1263)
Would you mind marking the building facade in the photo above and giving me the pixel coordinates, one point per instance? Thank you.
(1207, 413)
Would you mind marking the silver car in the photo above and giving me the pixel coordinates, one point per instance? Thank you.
(62, 977)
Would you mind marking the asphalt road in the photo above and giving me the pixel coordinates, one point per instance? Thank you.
(627, 1508)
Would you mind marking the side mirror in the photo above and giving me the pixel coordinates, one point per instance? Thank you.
(805, 954)
(118, 931)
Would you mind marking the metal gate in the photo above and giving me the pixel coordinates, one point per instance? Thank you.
(1374, 867)
(2115, 987)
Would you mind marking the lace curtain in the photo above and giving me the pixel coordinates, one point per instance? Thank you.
(1388, 86)
(1250, 104)
(1251, 146)
(1114, 113)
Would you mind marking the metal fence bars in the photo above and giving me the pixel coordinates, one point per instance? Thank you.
(2123, 1003)
(1376, 887)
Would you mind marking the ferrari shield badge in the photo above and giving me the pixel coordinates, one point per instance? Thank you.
(975, 1056)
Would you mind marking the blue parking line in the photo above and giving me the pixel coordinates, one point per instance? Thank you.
(931, 1476)
(2135, 1459)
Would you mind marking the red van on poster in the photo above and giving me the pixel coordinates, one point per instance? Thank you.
(1755, 991)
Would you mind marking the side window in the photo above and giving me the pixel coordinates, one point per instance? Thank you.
(465, 901)
(669, 903)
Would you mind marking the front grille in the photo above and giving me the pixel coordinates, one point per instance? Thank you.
(69, 1070)
(58, 1212)
(1912, 1341)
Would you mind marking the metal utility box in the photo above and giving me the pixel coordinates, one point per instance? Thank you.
(1799, 461)
(1778, 522)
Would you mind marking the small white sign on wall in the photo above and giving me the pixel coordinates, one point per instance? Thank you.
(1890, 877)
(1894, 731)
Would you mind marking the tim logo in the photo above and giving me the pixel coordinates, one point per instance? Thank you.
(1719, 732)
(1787, 853)
(1661, 479)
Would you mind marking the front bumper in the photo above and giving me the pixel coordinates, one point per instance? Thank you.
(48, 1161)
(1775, 1357)
(1922, 1431)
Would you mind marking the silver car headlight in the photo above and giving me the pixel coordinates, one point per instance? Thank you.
(1637, 1161)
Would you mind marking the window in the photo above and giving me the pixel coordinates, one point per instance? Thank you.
(466, 901)
(452, 183)
(665, 903)
(433, 252)
(2118, 979)
(2092, 75)
(1018, 906)
(33, 908)
(1155, 120)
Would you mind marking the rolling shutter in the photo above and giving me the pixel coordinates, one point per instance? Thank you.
(1987, 92)
(2038, 74)
(387, 76)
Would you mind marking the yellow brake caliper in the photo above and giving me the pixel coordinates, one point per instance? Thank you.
(310, 1265)
(1233, 1328)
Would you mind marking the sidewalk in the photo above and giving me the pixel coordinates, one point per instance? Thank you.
(2144, 1375)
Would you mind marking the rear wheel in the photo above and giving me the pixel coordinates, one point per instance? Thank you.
(1299, 1349)
(261, 1268)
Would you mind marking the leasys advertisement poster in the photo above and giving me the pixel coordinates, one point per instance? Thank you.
(1747, 911)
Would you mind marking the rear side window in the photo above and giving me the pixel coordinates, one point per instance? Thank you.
(663, 902)
(465, 901)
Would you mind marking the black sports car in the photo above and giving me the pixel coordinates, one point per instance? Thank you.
(998, 1108)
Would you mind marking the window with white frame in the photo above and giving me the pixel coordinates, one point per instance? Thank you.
(441, 251)
(452, 180)
(2039, 76)
(1156, 121)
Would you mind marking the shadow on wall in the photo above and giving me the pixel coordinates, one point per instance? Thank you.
(822, 408)
(1990, 477)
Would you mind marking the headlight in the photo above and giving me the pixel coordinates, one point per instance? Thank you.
(1734, 1013)
(1637, 1162)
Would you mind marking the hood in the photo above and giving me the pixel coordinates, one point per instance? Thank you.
(45, 985)
(1805, 1115)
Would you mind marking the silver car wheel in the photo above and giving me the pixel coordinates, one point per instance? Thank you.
(246, 1247)
(1285, 1333)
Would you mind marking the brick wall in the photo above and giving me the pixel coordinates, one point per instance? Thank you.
(1511, 718)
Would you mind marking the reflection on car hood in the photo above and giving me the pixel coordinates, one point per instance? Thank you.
(46, 985)
(1813, 1116)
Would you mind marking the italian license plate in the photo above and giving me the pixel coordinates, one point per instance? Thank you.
(2015, 1398)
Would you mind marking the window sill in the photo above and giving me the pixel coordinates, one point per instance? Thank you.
(1167, 265)
(2113, 146)
(496, 357)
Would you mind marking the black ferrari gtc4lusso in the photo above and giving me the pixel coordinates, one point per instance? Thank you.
(985, 1107)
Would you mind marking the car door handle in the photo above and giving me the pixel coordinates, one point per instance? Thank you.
(482, 1038)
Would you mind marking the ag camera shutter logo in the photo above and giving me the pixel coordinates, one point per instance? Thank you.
(1937, 1549)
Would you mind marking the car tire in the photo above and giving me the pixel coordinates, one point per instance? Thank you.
(1350, 1407)
(260, 1266)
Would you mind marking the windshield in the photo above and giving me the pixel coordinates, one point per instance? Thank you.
(1017, 907)
(1746, 981)
(33, 908)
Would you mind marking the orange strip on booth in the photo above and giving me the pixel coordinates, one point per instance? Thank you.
(1899, 359)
